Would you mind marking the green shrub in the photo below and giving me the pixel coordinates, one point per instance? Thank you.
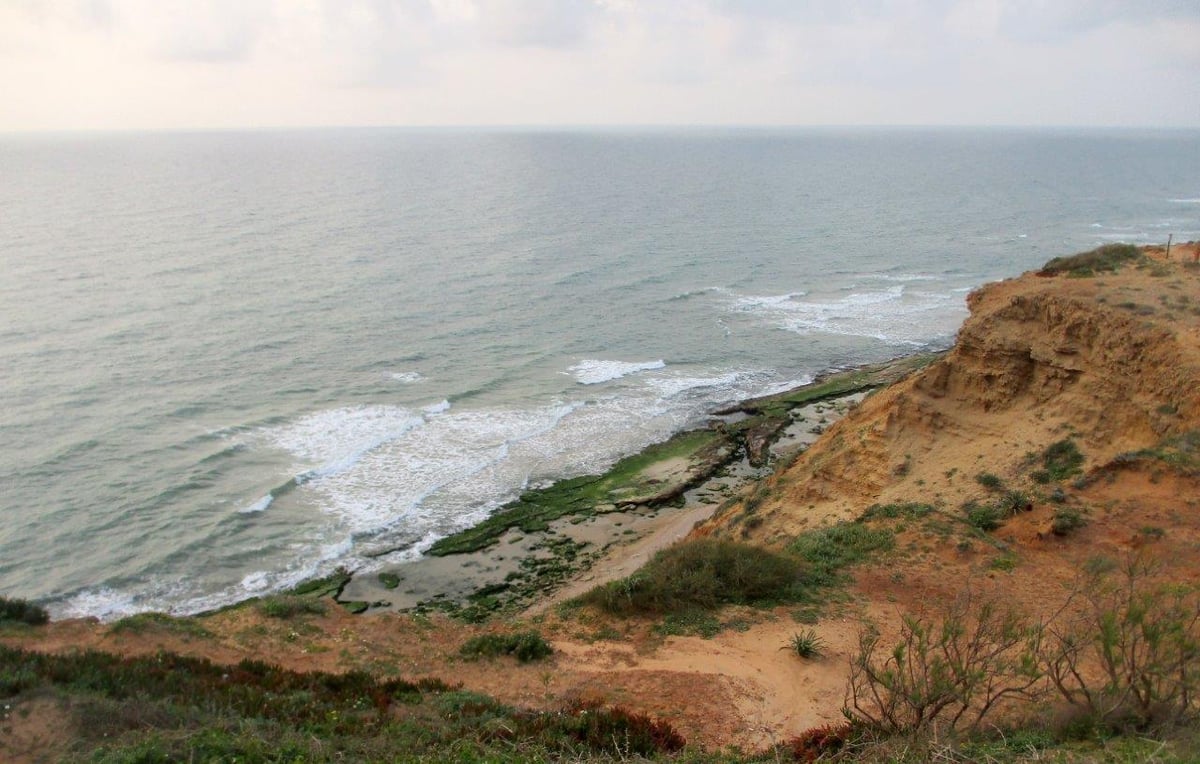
(989, 481)
(1060, 461)
(1067, 520)
(946, 672)
(1126, 656)
(15, 610)
(290, 606)
(525, 646)
(1109, 257)
(985, 517)
(702, 574)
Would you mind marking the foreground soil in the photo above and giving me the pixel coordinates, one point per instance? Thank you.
(1109, 362)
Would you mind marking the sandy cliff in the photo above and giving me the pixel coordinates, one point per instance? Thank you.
(1111, 360)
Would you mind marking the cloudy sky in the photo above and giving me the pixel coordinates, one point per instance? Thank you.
(104, 64)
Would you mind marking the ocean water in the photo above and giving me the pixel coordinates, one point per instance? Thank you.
(233, 360)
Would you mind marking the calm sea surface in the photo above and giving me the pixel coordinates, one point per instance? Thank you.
(229, 361)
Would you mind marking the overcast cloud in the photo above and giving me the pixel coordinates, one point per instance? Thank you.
(79, 64)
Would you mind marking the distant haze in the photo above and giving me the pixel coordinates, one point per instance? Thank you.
(128, 64)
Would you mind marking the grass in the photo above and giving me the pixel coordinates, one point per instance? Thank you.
(166, 707)
(525, 646)
(1060, 461)
(1109, 257)
(142, 623)
(702, 574)
(828, 551)
(286, 606)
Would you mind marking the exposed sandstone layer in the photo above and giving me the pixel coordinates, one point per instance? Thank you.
(1112, 360)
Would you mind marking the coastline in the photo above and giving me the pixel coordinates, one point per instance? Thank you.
(552, 544)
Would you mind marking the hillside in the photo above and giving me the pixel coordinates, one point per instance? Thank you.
(1062, 427)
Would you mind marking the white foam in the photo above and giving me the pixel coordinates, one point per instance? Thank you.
(103, 603)
(259, 505)
(895, 315)
(336, 439)
(436, 408)
(593, 372)
(1184, 201)
(256, 581)
(406, 377)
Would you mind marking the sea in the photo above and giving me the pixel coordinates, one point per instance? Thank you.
(231, 361)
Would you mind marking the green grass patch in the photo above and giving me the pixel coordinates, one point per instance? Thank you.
(525, 646)
(702, 574)
(284, 606)
(1060, 461)
(142, 623)
(167, 707)
(899, 511)
(1109, 257)
(828, 551)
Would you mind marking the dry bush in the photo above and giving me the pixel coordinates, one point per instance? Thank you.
(947, 672)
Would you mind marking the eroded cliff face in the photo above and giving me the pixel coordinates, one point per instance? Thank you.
(1112, 361)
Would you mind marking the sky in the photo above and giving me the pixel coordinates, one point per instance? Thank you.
(135, 64)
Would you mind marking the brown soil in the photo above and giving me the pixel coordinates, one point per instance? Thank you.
(1112, 361)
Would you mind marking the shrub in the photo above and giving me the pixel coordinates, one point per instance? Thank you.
(1061, 460)
(1067, 520)
(985, 517)
(290, 606)
(1109, 257)
(15, 610)
(1128, 660)
(525, 646)
(989, 481)
(949, 672)
(702, 574)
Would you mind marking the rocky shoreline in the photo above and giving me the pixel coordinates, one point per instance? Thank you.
(556, 542)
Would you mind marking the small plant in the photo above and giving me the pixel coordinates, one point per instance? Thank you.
(985, 517)
(1012, 503)
(1067, 520)
(989, 481)
(15, 610)
(807, 645)
(525, 646)
(1060, 461)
